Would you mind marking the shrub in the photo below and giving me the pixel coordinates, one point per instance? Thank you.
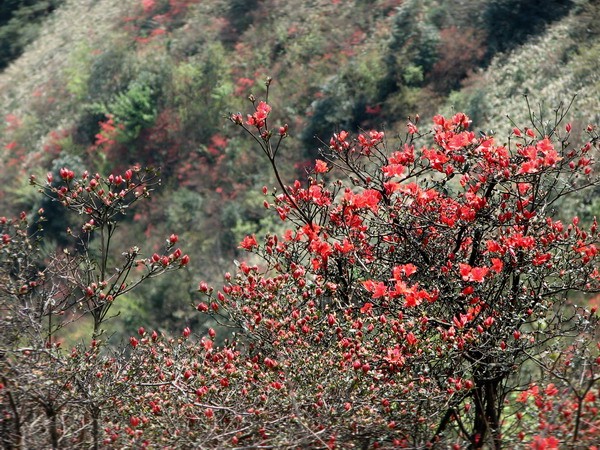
(421, 297)
(41, 387)
(409, 306)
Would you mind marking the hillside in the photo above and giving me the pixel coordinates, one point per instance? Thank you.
(107, 84)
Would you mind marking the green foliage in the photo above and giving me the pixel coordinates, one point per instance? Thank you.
(135, 108)
(586, 66)
(414, 41)
(78, 71)
(413, 75)
(243, 218)
(109, 73)
(239, 14)
(472, 102)
(346, 97)
(162, 304)
(200, 91)
(184, 210)
(555, 78)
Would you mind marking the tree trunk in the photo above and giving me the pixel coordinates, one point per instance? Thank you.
(52, 427)
(487, 416)
(11, 435)
(96, 428)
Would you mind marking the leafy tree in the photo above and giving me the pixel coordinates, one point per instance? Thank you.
(240, 17)
(134, 110)
(460, 51)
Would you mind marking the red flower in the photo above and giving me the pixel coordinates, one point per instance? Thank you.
(469, 273)
(551, 390)
(497, 265)
(368, 199)
(412, 128)
(436, 158)
(366, 308)
(249, 243)
(542, 443)
(393, 170)
(405, 269)
(66, 174)
(260, 116)
(541, 259)
(321, 166)
(377, 289)
(134, 421)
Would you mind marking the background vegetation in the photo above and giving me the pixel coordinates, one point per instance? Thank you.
(105, 84)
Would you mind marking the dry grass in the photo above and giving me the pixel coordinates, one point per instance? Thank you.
(43, 62)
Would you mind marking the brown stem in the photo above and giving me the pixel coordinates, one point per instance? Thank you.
(96, 428)
(443, 424)
(52, 427)
(487, 416)
(307, 220)
(15, 440)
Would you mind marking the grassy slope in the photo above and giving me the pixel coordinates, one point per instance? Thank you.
(550, 69)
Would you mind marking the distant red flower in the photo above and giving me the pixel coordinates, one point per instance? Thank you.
(148, 5)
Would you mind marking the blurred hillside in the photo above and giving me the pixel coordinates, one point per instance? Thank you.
(105, 84)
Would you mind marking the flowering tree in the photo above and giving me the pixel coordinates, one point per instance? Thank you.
(422, 296)
(414, 303)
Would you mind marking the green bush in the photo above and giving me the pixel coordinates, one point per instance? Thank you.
(200, 91)
(135, 108)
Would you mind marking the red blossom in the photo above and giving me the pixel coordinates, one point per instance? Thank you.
(321, 166)
(544, 443)
(476, 274)
(249, 243)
